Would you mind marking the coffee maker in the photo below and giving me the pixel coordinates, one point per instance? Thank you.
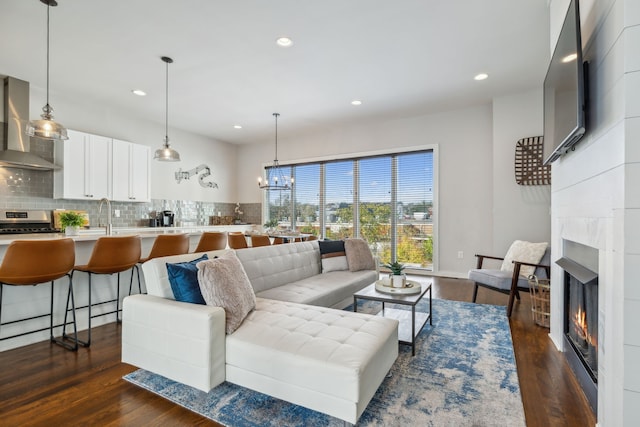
(166, 219)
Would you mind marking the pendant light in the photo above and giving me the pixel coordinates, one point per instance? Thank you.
(278, 180)
(166, 153)
(46, 128)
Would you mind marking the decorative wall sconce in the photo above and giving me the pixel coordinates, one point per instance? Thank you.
(180, 175)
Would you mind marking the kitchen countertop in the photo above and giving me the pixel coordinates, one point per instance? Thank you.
(145, 232)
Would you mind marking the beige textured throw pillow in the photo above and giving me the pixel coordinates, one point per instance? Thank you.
(359, 255)
(524, 252)
(224, 283)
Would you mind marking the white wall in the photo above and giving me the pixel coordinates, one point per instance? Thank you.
(94, 117)
(467, 161)
(595, 200)
(519, 211)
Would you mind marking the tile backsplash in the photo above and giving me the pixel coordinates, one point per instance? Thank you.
(137, 214)
(26, 182)
(33, 189)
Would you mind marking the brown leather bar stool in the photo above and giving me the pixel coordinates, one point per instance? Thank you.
(110, 255)
(237, 240)
(34, 262)
(312, 237)
(260, 240)
(278, 240)
(163, 245)
(212, 241)
(167, 245)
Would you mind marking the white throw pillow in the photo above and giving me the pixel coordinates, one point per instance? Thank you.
(224, 283)
(524, 252)
(333, 255)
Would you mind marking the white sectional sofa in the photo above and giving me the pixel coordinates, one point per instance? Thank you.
(292, 346)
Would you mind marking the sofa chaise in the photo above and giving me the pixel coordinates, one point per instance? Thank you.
(292, 345)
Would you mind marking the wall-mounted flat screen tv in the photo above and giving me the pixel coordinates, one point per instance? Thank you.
(565, 90)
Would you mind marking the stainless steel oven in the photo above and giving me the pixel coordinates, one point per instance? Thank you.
(25, 221)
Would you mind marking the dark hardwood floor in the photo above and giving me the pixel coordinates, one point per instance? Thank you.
(43, 384)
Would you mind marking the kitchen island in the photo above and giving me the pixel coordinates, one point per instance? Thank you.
(25, 301)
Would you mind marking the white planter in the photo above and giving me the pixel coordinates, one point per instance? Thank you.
(397, 280)
(71, 231)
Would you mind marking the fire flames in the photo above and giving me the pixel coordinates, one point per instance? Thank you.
(581, 328)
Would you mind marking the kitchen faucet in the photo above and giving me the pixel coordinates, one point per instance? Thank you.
(104, 199)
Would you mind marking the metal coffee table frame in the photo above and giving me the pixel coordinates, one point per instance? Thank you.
(411, 322)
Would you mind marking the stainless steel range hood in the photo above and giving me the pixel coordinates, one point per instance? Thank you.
(15, 143)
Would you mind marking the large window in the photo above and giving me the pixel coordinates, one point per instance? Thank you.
(414, 204)
(374, 209)
(338, 204)
(385, 199)
(279, 207)
(307, 199)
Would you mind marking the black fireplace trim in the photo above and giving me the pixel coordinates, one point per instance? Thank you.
(585, 377)
(586, 381)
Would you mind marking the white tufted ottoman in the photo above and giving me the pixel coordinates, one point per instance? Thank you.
(328, 360)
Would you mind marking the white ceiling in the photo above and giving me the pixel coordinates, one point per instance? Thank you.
(400, 57)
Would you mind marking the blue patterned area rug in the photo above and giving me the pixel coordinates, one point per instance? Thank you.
(463, 374)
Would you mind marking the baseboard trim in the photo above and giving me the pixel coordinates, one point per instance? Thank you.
(446, 274)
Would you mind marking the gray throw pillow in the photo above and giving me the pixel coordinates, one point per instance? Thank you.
(224, 283)
(359, 255)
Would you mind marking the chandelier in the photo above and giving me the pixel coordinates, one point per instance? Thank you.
(276, 180)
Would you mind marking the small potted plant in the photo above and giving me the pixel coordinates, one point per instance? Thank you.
(271, 225)
(397, 277)
(71, 221)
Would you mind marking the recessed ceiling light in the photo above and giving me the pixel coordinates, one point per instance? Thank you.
(237, 127)
(284, 42)
(481, 76)
(139, 92)
(356, 102)
(570, 58)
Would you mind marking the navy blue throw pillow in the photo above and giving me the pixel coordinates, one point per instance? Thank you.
(183, 277)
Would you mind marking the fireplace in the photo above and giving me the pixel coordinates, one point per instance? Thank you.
(581, 325)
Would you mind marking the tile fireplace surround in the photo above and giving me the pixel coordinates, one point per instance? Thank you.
(618, 400)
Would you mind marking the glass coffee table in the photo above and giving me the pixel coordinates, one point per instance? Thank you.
(411, 322)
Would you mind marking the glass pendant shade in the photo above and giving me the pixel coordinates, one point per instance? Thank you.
(166, 153)
(47, 128)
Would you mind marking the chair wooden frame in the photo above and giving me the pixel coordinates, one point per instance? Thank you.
(514, 291)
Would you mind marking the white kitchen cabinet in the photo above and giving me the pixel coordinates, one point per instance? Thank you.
(85, 162)
(130, 171)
